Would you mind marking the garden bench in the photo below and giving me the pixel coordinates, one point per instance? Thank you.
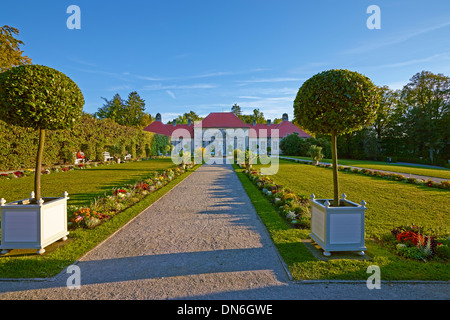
(107, 156)
(78, 160)
(127, 157)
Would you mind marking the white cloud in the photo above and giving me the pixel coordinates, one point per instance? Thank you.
(188, 86)
(435, 57)
(394, 40)
(248, 97)
(170, 93)
(270, 80)
(119, 87)
(398, 85)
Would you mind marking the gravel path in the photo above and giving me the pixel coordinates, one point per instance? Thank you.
(202, 240)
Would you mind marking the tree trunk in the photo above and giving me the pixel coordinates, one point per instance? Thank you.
(37, 173)
(335, 169)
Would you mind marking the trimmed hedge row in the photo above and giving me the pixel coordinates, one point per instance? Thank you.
(18, 146)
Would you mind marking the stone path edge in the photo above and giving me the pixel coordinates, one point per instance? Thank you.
(299, 282)
(280, 258)
(54, 278)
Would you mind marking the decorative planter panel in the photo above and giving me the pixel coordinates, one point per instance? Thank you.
(338, 228)
(33, 226)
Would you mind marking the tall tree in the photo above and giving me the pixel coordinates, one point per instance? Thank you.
(258, 116)
(336, 102)
(236, 110)
(112, 109)
(389, 101)
(146, 120)
(134, 110)
(130, 112)
(427, 97)
(191, 115)
(41, 98)
(10, 53)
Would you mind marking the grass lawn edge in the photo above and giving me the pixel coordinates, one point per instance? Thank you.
(303, 266)
(80, 242)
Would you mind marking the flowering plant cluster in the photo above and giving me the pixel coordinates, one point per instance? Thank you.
(293, 207)
(85, 217)
(28, 172)
(411, 242)
(107, 206)
(16, 174)
(385, 175)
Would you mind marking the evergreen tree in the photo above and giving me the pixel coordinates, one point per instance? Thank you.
(11, 55)
(112, 109)
(134, 110)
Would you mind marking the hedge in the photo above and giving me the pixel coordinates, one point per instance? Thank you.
(92, 136)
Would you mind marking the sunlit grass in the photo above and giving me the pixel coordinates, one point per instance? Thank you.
(83, 186)
(378, 165)
(389, 204)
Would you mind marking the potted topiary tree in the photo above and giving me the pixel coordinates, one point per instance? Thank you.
(315, 152)
(336, 102)
(41, 98)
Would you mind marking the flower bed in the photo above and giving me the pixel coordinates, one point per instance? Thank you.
(411, 242)
(107, 206)
(294, 208)
(29, 172)
(385, 175)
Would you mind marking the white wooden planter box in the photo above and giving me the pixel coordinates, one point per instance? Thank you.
(338, 228)
(33, 226)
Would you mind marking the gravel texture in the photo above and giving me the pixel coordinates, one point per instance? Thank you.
(202, 240)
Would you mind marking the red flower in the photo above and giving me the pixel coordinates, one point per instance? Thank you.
(410, 236)
(119, 191)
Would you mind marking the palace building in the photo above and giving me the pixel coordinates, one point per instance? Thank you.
(224, 132)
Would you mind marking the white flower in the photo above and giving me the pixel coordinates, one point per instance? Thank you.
(291, 215)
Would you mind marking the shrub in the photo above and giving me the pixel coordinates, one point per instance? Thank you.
(336, 102)
(40, 98)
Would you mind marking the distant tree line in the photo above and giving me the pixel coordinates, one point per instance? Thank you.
(413, 125)
(130, 112)
(257, 116)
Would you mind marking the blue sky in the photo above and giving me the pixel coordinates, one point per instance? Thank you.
(206, 56)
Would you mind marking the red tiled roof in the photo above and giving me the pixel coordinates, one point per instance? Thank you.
(171, 128)
(222, 120)
(167, 129)
(229, 120)
(284, 128)
(287, 127)
(158, 127)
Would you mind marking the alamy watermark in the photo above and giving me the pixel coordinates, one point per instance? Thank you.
(74, 20)
(374, 280)
(227, 145)
(74, 280)
(374, 20)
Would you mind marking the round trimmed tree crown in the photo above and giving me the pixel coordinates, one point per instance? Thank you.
(39, 97)
(336, 101)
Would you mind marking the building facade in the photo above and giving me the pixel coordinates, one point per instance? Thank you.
(223, 132)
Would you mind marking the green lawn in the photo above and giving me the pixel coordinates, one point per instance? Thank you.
(83, 186)
(377, 165)
(389, 203)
